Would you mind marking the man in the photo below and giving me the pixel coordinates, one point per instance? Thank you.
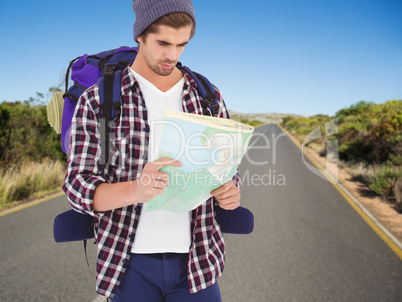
(156, 256)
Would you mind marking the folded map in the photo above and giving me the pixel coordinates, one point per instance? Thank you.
(210, 149)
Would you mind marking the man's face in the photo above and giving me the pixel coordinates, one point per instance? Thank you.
(162, 50)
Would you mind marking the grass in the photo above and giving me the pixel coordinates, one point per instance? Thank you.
(30, 180)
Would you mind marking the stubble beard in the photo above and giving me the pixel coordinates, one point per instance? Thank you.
(155, 67)
(160, 71)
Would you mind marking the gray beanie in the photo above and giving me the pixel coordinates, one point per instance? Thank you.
(148, 11)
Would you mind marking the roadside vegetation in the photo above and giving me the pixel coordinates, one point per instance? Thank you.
(253, 123)
(258, 119)
(31, 160)
(369, 142)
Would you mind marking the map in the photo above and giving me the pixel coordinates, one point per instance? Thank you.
(210, 149)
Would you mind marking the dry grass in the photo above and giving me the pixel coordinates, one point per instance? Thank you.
(361, 171)
(30, 180)
(384, 180)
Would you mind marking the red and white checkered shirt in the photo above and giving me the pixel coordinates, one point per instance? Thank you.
(115, 230)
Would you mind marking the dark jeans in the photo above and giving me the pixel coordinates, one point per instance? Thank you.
(161, 277)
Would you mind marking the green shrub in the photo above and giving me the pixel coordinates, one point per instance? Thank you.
(354, 110)
(384, 180)
(395, 160)
(27, 135)
(286, 119)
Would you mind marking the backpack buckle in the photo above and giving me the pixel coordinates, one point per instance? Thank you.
(214, 109)
(206, 111)
(108, 69)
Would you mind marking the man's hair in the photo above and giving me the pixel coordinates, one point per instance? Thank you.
(175, 20)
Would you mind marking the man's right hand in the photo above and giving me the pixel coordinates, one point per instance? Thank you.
(149, 184)
(152, 182)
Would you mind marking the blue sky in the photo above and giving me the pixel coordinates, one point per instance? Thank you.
(303, 57)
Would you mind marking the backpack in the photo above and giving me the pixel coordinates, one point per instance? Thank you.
(105, 68)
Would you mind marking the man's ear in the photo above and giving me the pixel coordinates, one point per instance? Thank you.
(140, 39)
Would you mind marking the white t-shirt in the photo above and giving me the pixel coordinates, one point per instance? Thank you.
(162, 231)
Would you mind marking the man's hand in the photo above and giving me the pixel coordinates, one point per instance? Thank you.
(152, 182)
(228, 196)
(109, 196)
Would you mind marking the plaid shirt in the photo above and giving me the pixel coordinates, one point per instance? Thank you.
(115, 229)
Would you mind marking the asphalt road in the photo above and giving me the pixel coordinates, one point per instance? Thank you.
(33, 267)
(308, 243)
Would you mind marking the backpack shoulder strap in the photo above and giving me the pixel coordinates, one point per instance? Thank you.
(109, 84)
(210, 93)
(206, 90)
(110, 106)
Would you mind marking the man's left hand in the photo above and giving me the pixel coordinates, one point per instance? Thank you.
(228, 196)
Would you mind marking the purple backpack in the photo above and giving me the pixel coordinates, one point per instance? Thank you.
(86, 71)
